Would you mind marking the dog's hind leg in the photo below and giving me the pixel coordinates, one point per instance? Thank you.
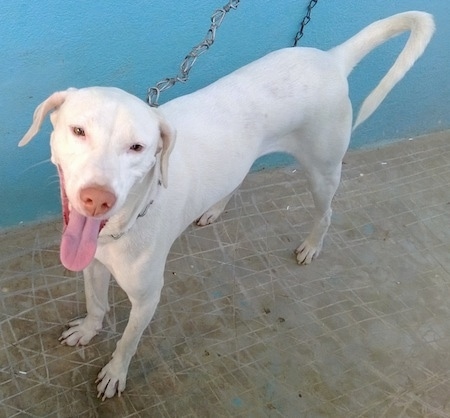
(214, 211)
(321, 158)
(323, 186)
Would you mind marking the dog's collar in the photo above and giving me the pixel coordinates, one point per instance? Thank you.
(141, 214)
(141, 211)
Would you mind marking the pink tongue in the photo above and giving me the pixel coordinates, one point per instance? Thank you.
(79, 241)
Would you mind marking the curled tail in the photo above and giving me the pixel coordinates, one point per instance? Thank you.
(349, 53)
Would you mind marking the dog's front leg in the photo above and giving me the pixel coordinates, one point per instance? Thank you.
(96, 282)
(112, 378)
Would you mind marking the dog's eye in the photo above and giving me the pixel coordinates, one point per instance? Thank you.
(78, 131)
(136, 147)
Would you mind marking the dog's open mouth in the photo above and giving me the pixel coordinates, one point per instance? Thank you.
(80, 234)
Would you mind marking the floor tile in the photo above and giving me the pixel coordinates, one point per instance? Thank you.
(241, 329)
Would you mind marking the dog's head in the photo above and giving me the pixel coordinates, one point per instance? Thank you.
(104, 142)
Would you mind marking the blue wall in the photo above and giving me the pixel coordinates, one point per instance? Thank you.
(53, 44)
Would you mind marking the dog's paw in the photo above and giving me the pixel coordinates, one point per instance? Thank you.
(208, 217)
(307, 252)
(111, 380)
(80, 332)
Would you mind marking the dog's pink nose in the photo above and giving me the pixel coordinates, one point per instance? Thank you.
(97, 200)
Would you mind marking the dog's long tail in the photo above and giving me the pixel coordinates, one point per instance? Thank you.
(349, 53)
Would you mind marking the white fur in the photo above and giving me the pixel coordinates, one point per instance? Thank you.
(293, 100)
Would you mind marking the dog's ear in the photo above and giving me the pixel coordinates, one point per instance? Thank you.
(167, 142)
(51, 103)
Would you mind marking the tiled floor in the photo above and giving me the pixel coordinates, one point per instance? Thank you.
(242, 331)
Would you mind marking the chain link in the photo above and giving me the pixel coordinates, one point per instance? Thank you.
(185, 67)
(217, 18)
(305, 21)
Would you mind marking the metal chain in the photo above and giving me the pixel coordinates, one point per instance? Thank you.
(305, 21)
(183, 75)
(188, 62)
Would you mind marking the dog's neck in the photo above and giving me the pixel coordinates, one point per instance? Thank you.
(140, 200)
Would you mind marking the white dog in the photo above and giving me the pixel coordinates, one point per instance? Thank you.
(124, 204)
